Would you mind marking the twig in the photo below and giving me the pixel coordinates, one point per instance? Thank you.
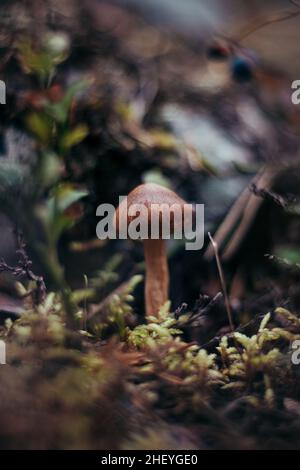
(269, 195)
(293, 2)
(277, 18)
(223, 283)
(84, 319)
(100, 309)
(229, 222)
(240, 216)
(24, 268)
(249, 213)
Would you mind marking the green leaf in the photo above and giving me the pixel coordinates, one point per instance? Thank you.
(42, 60)
(53, 214)
(290, 254)
(74, 137)
(57, 111)
(41, 125)
(38, 62)
(49, 169)
(73, 90)
(64, 196)
(60, 111)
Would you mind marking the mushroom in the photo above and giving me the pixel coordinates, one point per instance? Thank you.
(149, 196)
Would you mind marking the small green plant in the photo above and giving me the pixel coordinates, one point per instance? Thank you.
(42, 60)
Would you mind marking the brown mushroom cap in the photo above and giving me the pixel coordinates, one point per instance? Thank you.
(149, 194)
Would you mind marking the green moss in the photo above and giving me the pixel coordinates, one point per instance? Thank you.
(145, 378)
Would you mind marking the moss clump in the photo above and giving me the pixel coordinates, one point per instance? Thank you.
(119, 392)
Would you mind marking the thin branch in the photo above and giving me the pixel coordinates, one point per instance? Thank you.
(293, 2)
(273, 19)
(24, 268)
(249, 213)
(223, 283)
(232, 230)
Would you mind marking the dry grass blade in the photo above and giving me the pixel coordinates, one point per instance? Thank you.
(240, 217)
(222, 280)
(249, 213)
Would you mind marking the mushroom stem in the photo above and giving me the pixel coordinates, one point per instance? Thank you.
(157, 275)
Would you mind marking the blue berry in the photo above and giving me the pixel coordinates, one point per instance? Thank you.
(242, 70)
